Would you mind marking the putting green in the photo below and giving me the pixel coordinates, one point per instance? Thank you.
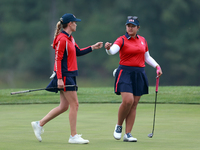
(177, 127)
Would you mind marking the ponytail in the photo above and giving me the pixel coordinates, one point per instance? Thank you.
(59, 26)
(58, 29)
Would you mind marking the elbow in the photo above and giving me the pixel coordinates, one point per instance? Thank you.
(147, 61)
(78, 55)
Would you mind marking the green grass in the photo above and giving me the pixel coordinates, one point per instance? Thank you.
(177, 127)
(166, 94)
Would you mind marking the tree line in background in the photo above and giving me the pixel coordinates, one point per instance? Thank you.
(171, 28)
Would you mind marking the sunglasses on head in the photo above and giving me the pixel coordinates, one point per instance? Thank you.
(132, 17)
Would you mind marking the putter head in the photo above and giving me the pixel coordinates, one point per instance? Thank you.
(150, 135)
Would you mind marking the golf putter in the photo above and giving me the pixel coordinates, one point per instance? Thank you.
(157, 84)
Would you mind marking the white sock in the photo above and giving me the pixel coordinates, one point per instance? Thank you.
(39, 124)
(73, 136)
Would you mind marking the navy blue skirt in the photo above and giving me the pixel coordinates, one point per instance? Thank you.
(52, 87)
(132, 80)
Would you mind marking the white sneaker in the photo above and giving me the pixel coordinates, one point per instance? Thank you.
(117, 132)
(38, 130)
(77, 139)
(129, 138)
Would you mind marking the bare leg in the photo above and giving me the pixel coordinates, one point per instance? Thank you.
(72, 99)
(130, 118)
(125, 107)
(64, 105)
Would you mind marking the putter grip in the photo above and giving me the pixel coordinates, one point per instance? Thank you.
(12, 93)
(157, 84)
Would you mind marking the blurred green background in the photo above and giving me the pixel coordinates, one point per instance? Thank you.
(171, 28)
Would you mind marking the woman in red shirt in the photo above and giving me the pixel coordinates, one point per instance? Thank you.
(64, 77)
(130, 78)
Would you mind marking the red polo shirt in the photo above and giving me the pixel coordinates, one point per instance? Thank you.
(132, 50)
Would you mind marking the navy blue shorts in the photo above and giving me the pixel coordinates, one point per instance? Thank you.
(132, 80)
(67, 81)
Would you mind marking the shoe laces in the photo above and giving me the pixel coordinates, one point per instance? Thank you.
(79, 135)
(129, 135)
(42, 131)
(119, 129)
(76, 136)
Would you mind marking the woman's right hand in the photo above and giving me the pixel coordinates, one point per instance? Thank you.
(60, 84)
(98, 45)
(108, 45)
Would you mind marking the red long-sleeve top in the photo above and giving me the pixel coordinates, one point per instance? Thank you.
(66, 51)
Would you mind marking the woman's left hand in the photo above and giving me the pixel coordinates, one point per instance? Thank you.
(158, 71)
(98, 45)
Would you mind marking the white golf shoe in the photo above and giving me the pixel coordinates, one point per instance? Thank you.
(77, 139)
(129, 138)
(38, 130)
(117, 132)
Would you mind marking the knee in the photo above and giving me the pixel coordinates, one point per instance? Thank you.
(128, 102)
(77, 105)
(134, 106)
(64, 108)
(74, 105)
(135, 103)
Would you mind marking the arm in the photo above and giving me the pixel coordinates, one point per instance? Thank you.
(149, 60)
(111, 50)
(58, 58)
(59, 52)
(80, 52)
(83, 51)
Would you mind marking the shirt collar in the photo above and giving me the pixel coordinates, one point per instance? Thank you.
(128, 36)
(66, 33)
